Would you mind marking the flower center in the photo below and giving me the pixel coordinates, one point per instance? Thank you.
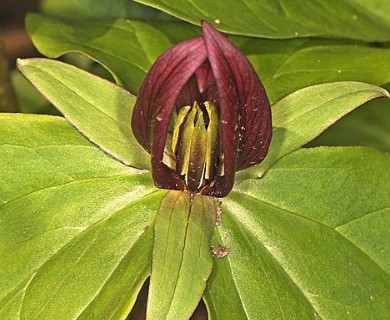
(195, 147)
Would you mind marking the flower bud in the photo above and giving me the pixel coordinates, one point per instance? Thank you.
(202, 114)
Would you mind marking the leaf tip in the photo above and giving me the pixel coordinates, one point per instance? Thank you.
(20, 62)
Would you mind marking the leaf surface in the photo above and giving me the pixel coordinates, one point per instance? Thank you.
(304, 114)
(367, 126)
(121, 8)
(288, 65)
(73, 222)
(355, 19)
(182, 259)
(128, 48)
(96, 107)
(309, 240)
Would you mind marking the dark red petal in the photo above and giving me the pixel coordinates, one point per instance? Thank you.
(189, 93)
(200, 87)
(220, 55)
(245, 110)
(205, 77)
(162, 85)
(207, 85)
(156, 101)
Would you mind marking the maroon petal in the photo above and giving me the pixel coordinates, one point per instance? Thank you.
(245, 110)
(205, 77)
(200, 87)
(218, 52)
(156, 101)
(189, 93)
(207, 85)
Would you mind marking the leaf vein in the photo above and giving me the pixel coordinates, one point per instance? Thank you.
(288, 276)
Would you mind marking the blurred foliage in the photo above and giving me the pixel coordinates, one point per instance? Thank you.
(7, 96)
(60, 7)
(103, 9)
(122, 9)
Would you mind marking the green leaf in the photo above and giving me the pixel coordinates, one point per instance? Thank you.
(99, 109)
(60, 8)
(106, 8)
(356, 19)
(288, 65)
(73, 222)
(303, 115)
(182, 260)
(29, 99)
(367, 126)
(126, 48)
(121, 8)
(309, 240)
(226, 303)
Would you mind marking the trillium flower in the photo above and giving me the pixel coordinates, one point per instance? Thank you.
(203, 114)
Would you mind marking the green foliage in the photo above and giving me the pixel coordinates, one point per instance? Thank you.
(374, 117)
(289, 65)
(304, 114)
(117, 44)
(366, 20)
(128, 48)
(104, 118)
(74, 223)
(297, 239)
(83, 226)
(29, 99)
(121, 8)
(192, 220)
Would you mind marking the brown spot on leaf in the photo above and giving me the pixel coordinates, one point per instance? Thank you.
(219, 251)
